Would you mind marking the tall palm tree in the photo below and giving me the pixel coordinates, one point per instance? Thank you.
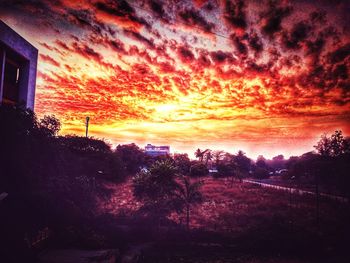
(200, 154)
(218, 155)
(189, 194)
(208, 156)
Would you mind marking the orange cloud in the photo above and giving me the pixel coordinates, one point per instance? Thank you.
(146, 74)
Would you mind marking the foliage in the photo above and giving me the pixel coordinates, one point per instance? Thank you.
(243, 163)
(200, 154)
(84, 145)
(218, 156)
(198, 169)
(183, 163)
(226, 168)
(50, 125)
(330, 172)
(149, 160)
(160, 192)
(261, 173)
(132, 156)
(188, 194)
(49, 182)
(156, 188)
(333, 146)
(208, 156)
(261, 162)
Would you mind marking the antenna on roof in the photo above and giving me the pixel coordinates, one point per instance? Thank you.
(87, 126)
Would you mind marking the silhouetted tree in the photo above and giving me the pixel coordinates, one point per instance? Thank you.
(243, 163)
(50, 125)
(261, 162)
(48, 182)
(261, 168)
(218, 156)
(208, 156)
(227, 169)
(277, 162)
(132, 156)
(200, 154)
(198, 169)
(332, 146)
(156, 188)
(183, 163)
(189, 194)
(84, 145)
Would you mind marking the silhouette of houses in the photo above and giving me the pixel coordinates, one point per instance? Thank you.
(153, 150)
(18, 66)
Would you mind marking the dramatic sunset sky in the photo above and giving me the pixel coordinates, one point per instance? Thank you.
(267, 77)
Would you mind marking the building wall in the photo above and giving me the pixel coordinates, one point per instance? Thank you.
(11, 42)
(157, 150)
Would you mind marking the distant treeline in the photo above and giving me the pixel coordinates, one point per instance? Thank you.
(52, 182)
(34, 153)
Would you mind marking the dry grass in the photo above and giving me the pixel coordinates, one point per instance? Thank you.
(236, 208)
(261, 225)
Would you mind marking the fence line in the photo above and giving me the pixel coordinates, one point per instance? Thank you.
(298, 191)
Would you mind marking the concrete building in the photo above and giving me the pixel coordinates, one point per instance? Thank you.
(18, 66)
(153, 150)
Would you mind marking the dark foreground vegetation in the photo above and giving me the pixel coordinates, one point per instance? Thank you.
(64, 192)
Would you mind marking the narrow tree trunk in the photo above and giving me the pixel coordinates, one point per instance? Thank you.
(188, 216)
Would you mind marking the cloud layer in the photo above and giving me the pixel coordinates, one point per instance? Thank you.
(222, 73)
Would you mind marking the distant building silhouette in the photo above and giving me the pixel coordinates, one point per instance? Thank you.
(153, 150)
(18, 66)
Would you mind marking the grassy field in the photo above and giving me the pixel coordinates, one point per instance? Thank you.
(245, 223)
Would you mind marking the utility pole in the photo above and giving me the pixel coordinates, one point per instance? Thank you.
(87, 126)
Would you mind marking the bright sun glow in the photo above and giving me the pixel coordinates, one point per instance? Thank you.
(191, 76)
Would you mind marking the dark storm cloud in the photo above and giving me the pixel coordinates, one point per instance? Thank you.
(272, 19)
(297, 35)
(117, 8)
(239, 44)
(87, 51)
(203, 59)
(305, 48)
(81, 18)
(137, 36)
(157, 8)
(117, 45)
(340, 54)
(121, 9)
(221, 56)
(315, 47)
(318, 17)
(255, 42)
(192, 17)
(340, 72)
(253, 67)
(185, 54)
(235, 13)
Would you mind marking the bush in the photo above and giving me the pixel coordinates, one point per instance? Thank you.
(198, 169)
(261, 173)
(157, 187)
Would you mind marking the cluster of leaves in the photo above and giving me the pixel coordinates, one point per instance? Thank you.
(329, 167)
(50, 180)
(163, 190)
(333, 146)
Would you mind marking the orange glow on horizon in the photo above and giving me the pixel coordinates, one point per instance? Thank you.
(190, 77)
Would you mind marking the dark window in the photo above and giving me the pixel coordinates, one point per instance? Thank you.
(11, 82)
